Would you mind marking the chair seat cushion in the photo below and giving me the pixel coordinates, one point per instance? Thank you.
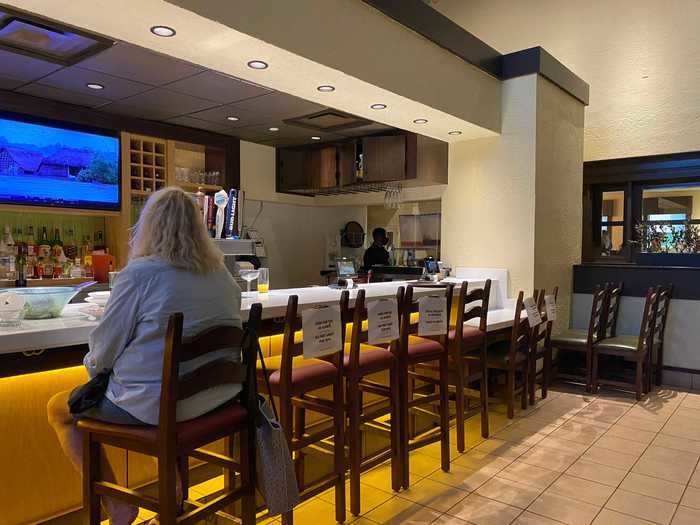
(190, 434)
(619, 343)
(423, 349)
(307, 374)
(569, 338)
(371, 359)
(472, 337)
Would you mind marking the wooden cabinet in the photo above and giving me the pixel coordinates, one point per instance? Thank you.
(347, 163)
(306, 168)
(384, 158)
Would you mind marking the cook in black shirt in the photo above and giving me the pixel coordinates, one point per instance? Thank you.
(377, 254)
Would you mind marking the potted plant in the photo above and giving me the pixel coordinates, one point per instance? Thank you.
(668, 244)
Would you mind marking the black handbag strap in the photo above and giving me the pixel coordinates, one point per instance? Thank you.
(267, 380)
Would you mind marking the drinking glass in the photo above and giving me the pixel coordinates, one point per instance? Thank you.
(264, 280)
(249, 276)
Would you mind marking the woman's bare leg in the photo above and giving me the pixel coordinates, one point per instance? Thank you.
(71, 441)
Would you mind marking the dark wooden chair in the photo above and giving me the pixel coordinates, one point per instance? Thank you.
(414, 353)
(631, 347)
(541, 349)
(582, 341)
(296, 382)
(611, 309)
(656, 356)
(512, 357)
(172, 442)
(362, 360)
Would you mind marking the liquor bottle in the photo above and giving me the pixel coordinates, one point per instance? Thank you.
(29, 241)
(7, 255)
(4, 259)
(44, 244)
(70, 248)
(21, 267)
(57, 238)
(99, 242)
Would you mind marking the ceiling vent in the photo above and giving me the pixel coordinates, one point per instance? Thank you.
(47, 40)
(328, 120)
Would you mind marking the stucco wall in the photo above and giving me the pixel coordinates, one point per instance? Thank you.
(559, 179)
(488, 210)
(640, 58)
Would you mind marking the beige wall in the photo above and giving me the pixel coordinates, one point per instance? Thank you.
(559, 179)
(514, 201)
(640, 58)
(488, 210)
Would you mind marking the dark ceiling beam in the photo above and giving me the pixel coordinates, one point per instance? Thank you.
(433, 25)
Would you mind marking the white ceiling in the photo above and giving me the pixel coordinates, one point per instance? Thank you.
(221, 48)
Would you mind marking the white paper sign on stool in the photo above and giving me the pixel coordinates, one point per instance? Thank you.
(382, 320)
(432, 315)
(533, 314)
(550, 305)
(322, 330)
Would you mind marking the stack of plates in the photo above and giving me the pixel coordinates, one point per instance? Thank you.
(98, 298)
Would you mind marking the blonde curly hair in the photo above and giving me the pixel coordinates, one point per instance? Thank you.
(171, 228)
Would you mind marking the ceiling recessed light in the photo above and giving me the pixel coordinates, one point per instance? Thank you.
(232, 118)
(257, 64)
(378, 106)
(274, 129)
(326, 88)
(420, 121)
(455, 132)
(164, 31)
(315, 138)
(94, 85)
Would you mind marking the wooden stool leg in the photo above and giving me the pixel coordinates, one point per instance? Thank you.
(484, 398)
(91, 473)
(285, 414)
(510, 393)
(589, 371)
(354, 438)
(594, 372)
(247, 476)
(526, 384)
(395, 431)
(299, 430)
(184, 470)
(403, 424)
(339, 451)
(444, 413)
(167, 478)
(459, 403)
(546, 371)
(638, 378)
(411, 429)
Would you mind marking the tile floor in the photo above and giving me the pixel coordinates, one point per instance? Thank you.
(574, 459)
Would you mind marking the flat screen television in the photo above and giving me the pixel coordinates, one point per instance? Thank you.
(60, 165)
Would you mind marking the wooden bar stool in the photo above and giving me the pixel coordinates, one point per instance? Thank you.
(631, 347)
(541, 349)
(172, 442)
(656, 356)
(293, 379)
(362, 360)
(582, 341)
(512, 357)
(416, 352)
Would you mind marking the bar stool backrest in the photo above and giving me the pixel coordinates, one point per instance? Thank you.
(293, 346)
(612, 309)
(596, 324)
(520, 333)
(410, 306)
(543, 332)
(647, 330)
(664, 301)
(177, 351)
(466, 307)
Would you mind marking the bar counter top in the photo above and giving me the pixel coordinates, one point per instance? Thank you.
(73, 327)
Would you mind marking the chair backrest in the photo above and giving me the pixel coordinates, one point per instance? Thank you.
(293, 346)
(543, 331)
(175, 387)
(596, 323)
(612, 308)
(410, 306)
(664, 301)
(358, 316)
(647, 329)
(520, 332)
(473, 304)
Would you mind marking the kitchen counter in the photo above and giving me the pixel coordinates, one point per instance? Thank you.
(74, 328)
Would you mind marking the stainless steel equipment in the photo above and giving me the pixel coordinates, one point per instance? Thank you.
(232, 250)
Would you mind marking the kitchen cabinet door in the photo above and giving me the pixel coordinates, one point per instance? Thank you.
(346, 163)
(321, 164)
(292, 169)
(384, 158)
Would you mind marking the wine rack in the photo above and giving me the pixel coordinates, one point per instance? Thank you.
(147, 164)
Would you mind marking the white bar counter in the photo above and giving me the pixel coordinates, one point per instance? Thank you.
(74, 328)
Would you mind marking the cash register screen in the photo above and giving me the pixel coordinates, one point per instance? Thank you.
(345, 268)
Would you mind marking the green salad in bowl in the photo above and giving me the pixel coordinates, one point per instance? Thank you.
(45, 302)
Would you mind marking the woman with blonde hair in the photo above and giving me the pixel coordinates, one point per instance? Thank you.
(173, 267)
